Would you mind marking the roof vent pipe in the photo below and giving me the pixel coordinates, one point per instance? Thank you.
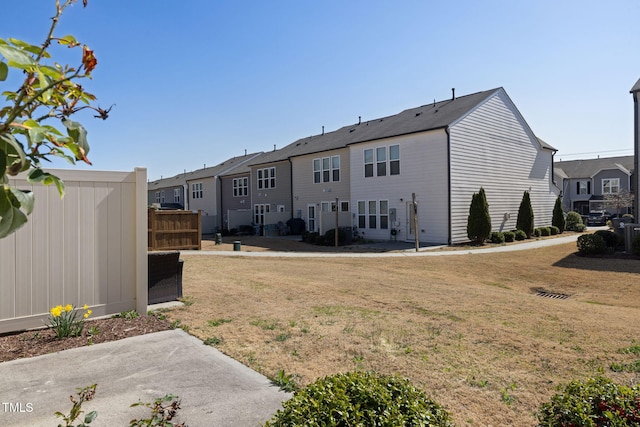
(323, 130)
(453, 93)
(274, 147)
(245, 151)
(359, 119)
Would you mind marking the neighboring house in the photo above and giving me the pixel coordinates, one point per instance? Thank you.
(201, 190)
(636, 145)
(586, 183)
(235, 202)
(441, 152)
(167, 190)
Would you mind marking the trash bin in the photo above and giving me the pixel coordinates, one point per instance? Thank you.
(218, 238)
(237, 245)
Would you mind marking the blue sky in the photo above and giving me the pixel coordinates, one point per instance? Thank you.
(199, 81)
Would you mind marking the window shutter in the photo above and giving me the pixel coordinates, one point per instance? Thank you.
(588, 187)
(578, 187)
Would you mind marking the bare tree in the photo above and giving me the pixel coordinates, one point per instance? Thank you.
(619, 201)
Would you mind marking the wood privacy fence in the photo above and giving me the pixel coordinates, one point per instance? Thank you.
(174, 230)
(87, 248)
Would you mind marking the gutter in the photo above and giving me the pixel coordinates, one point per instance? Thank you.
(448, 131)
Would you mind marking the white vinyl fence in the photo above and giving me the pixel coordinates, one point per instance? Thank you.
(88, 248)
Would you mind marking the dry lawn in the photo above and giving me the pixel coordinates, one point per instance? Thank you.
(467, 329)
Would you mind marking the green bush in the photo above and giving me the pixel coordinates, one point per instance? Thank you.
(580, 228)
(479, 221)
(635, 245)
(545, 231)
(520, 235)
(330, 237)
(591, 244)
(573, 220)
(509, 236)
(554, 230)
(594, 403)
(610, 238)
(525, 215)
(360, 399)
(558, 216)
(537, 232)
(497, 237)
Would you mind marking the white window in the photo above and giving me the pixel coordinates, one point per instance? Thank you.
(386, 162)
(157, 197)
(176, 195)
(394, 159)
(259, 211)
(584, 187)
(267, 178)
(381, 161)
(344, 206)
(373, 214)
(368, 163)
(196, 190)
(326, 169)
(162, 196)
(611, 186)
(240, 187)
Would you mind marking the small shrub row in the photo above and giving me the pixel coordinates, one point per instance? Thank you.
(497, 237)
(610, 238)
(371, 399)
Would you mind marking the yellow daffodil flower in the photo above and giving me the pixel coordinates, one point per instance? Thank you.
(68, 307)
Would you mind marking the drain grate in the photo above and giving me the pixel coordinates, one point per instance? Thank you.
(545, 294)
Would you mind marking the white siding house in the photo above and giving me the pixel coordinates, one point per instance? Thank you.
(492, 147)
(447, 151)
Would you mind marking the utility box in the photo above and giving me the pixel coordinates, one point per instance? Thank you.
(630, 233)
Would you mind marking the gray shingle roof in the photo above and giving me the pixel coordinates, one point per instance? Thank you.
(586, 168)
(636, 87)
(427, 117)
(233, 165)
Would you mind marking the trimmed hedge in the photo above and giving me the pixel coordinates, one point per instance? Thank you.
(520, 235)
(554, 230)
(509, 236)
(591, 244)
(497, 237)
(360, 399)
(573, 220)
(596, 402)
(610, 238)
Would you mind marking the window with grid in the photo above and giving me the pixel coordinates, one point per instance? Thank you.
(240, 187)
(362, 214)
(157, 197)
(384, 214)
(381, 161)
(267, 178)
(196, 190)
(394, 159)
(176, 195)
(162, 196)
(611, 186)
(368, 162)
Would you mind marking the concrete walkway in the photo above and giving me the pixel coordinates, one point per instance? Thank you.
(215, 389)
(400, 249)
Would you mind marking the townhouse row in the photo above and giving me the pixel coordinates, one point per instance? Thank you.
(378, 175)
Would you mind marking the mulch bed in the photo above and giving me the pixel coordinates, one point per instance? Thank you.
(43, 341)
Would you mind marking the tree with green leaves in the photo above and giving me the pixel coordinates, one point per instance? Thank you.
(525, 216)
(479, 220)
(48, 92)
(558, 215)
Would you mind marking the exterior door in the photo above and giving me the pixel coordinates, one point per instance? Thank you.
(311, 218)
(258, 213)
(410, 226)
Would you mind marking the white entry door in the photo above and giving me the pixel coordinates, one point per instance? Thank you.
(311, 218)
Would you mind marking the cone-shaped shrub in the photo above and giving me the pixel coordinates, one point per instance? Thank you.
(558, 215)
(479, 221)
(525, 216)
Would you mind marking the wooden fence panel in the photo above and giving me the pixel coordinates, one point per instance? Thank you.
(174, 230)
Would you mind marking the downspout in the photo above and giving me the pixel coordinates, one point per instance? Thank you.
(291, 185)
(185, 189)
(636, 161)
(447, 130)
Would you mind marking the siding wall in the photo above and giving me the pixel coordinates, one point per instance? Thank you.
(423, 170)
(492, 147)
(306, 192)
(88, 248)
(229, 202)
(281, 195)
(209, 203)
